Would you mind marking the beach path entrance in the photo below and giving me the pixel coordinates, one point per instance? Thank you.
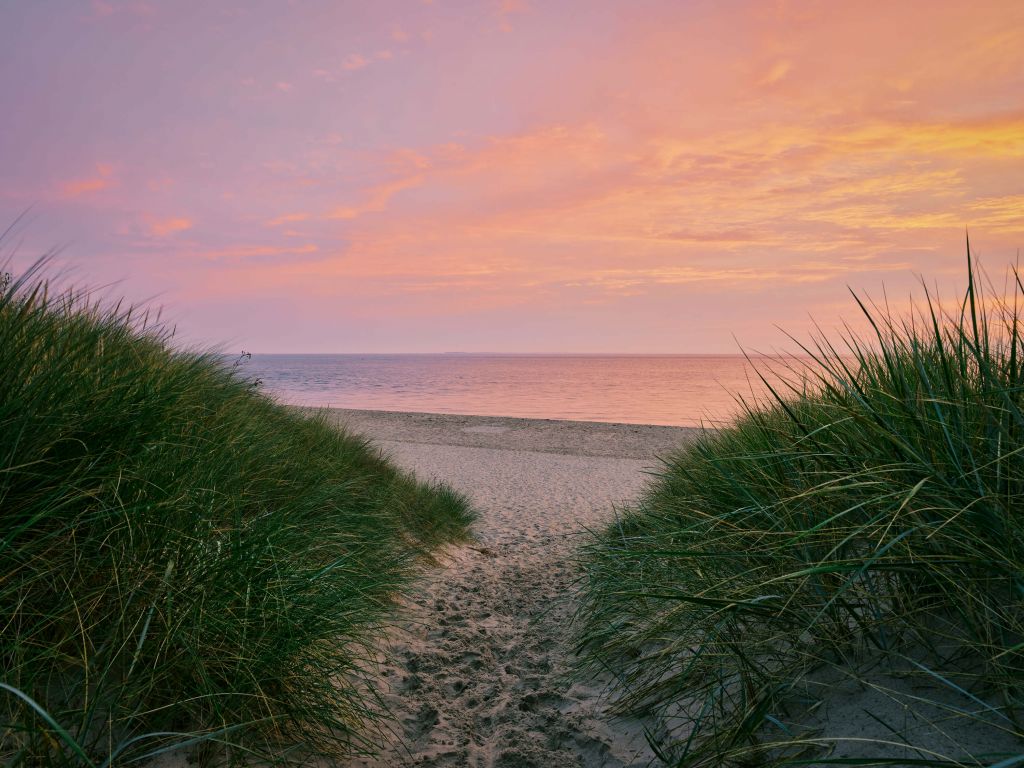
(481, 656)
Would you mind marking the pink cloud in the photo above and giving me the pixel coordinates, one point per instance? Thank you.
(686, 154)
(513, 6)
(375, 199)
(103, 179)
(777, 73)
(288, 218)
(163, 227)
(507, 8)
(354, 61)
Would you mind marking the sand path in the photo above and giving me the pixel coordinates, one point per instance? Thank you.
(483, 648)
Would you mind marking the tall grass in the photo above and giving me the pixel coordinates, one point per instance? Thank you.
(184, 562)
(854, 549)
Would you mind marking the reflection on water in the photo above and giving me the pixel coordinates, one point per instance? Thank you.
(683, 390)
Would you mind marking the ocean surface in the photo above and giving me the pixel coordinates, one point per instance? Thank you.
(680, 390)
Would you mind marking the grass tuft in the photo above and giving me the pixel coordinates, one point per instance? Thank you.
(837, 578)
(185, 562)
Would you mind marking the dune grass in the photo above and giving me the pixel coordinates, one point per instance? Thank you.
(184, 562)
(851, 551)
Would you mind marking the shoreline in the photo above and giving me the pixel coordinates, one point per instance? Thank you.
(556, 436)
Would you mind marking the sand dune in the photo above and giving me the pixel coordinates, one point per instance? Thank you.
(479, 656)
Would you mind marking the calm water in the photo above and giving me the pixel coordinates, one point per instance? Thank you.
(681, 390)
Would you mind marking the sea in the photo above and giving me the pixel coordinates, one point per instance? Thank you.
(677, 390)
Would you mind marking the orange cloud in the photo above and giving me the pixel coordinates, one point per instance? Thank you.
(78, 187)
(998, 214)
(168, 226)
(507, 8)
(376, 199)
(686, 153)
(778, 72)
(354, 61)
(288, 218)
(765, 206)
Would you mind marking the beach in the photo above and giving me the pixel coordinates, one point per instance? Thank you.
(481, 651)
(512, 384)
(475, 665)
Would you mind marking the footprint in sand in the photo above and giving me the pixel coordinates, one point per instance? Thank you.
(484, 647)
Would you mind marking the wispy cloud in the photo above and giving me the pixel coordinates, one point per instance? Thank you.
(288, 218)
(251, 253)
(164, 227)
(102, 179)
(355, 61)
(506, 9)
(734, 163)
(375, 199)
(778, 72)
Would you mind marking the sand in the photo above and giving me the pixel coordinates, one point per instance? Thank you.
(482, 650)
(572, 438)
(480, 654)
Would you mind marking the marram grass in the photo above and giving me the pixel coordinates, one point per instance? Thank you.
(862, 536)
(183, 561)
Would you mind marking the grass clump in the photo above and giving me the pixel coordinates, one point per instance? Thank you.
(838, 577)
(184, 560)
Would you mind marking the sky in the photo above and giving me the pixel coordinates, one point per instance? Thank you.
(665, 176)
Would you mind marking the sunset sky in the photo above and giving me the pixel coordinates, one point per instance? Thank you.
(511, 175)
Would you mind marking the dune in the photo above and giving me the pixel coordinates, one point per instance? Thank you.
(476, 668)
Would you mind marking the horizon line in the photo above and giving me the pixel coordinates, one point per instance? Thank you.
(546, 354)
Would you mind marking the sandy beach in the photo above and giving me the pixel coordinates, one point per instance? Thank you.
(479, 655)
(482, 650)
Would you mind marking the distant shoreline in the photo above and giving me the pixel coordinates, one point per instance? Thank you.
(681, 391)
(731, 355)
(565, 437)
